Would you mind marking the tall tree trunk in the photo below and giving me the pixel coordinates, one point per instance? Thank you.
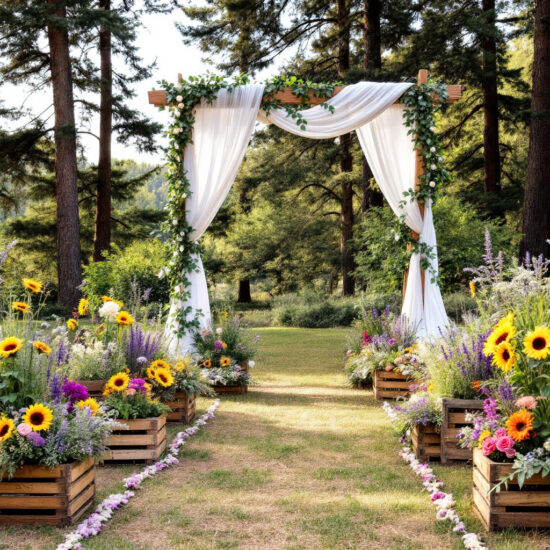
(102, 236)
(244, 295)
(536, 208)
(346, 159)
(372, 63)
(491, 153)
(68, 226)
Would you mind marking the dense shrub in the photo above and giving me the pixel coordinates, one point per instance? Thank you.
(139, 263)
(457, 304)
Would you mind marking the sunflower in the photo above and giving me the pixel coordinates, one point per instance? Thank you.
(109, 299)
(119, 382)
(10, 346)
(91, 403)
(6, 428)
(41, 347)
(225, 361)
(536, 343)
(23, 307)
(32, 285)
(180, 366)
(83, 306)
(124, 318)
(38, 417)
(519, 425)
(72, 324)
(160, 363)
(504, 356)
(150, 372)
(472, 289)
(506, 320)
(207, 363)
(164, 377)
(501, 333)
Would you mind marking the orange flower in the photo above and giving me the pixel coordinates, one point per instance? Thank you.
(207, 363)
(519, 425)
(475, 385)
(124, 318)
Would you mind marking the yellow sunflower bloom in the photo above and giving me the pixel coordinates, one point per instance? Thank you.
(160, 363)
(150, 372)
(225, 361)
(109, 299)
(164, 377)
(207, 363)
(32, 285)
(91, 403)
(506, 320)
(180, 366)
(6, 428)
(124, 318)
(23, 307)
(10, 346)
(430, 387)
(83, 306)
(42, 347)
(472, 289)
(536, 343)
(119, 382)
(38, 417)
(504, 356)
(519, 425)
(501, 333)
(72, 324)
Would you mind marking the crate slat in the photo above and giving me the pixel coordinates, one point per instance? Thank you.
(183, 408)
(426, 442)
(230, 389)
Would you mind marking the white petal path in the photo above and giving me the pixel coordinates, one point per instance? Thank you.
(444, 502)
(93, 524)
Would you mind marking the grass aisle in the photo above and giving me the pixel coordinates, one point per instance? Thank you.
(300, 462)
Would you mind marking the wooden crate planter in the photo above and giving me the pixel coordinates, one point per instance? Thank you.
(183, 408)
(391, 385)
(426, 442)
(144, 441)
(512, 507)
(95, 387)
(230, 389)
(454, 419)
(37, 495)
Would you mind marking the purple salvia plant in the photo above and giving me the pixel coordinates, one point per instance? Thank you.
(141, 344)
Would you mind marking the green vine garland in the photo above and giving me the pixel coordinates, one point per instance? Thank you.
(182, 98)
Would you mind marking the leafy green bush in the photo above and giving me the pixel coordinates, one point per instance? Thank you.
(457, 304)
(138, 264)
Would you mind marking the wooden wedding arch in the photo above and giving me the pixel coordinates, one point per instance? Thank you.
(286, 97)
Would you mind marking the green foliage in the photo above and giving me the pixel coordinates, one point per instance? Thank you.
(139, 405)
(313, 311)
(136, 265)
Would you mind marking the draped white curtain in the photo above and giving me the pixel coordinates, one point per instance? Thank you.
(221, 134)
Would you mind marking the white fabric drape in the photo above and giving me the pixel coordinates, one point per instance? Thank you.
(389, 150)
(221, 134)
(354, 106)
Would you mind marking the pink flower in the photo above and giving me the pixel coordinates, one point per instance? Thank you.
(526, 402)
(24, 429)
(131, 391)
(489, 445)
(505, 444)
(501, 432)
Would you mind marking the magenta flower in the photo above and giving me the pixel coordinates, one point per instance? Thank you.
(218, 345)
(489, 445)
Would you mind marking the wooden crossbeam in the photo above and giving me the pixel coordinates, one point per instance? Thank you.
(158, 97)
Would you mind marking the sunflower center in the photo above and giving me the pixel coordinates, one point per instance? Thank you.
(36, 418)
(9, 347)
(119, 382)
(4, 430)
(506, 355)
(163, 378)
(501, 338)
(520, 426)
(539, 343)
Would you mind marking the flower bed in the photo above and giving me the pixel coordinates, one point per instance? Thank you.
(37, 495)
(512, 506)
(183, 408)
(426, 442)
(144, 440)
(455, 418)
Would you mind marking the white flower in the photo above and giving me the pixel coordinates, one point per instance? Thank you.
(433, 166)
(432, 184)
(174, 222)
(396, 236)
(179, 98)
(219, 330)
(109, 310)
(176, 113)
(547, 445)
(184, 195)
(252, 364)
(181, 248)
(181, 105)
(432, 128)
(432, 149)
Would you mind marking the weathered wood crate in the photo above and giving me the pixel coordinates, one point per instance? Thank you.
(37, 495)
(426, 442)
(144, 441)
(230, 389)
(183, 408)
(95, 387)
(454, 419)
(390, 385)
(512, 506)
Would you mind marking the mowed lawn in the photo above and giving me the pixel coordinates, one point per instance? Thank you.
(300, 462)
